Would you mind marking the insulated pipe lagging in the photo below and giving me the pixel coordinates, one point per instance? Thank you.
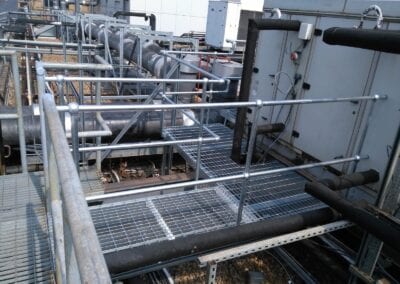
(382, 230)
(152, 60)
(251, 44)
(379, 40)
(352, 180)
(147, 127)
(133, 258)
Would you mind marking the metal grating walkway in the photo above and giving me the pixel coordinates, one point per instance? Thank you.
(145, 221)
(25, 250)
(268, 196)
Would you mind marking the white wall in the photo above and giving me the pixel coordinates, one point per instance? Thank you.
(177, 16)
(253, 5)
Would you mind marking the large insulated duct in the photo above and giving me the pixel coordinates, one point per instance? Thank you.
(379, 40)
(152, 60)
(148, 126)
(165, 251)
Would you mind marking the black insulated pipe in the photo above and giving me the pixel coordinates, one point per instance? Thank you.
(379, 40)
(255, 26)
(381, 229)
(152, 17)
(352, 180)
(166, 251)
(270, 128)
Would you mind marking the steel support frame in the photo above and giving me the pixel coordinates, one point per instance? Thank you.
(247, 249)
(18, 101)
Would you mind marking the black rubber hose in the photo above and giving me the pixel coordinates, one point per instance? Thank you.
(379, 40)
(165, 251)
(152, 17)
(352, 180)
(251, 44)
(382, 230)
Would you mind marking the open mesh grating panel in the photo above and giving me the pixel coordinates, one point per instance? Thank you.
(25, 250)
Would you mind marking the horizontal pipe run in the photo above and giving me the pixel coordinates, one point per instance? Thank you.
(356, 213)
(165, 251)
(7, 52)
(45, 51)
(194, 93)
(130, 80)
(76, 66)
(100, 59)
(217, 105)
(147, 144)
(200, 53)
(378, 40)
(8, 116)
(47, 43)
(351, 180)
(223, 179)
(184, 62)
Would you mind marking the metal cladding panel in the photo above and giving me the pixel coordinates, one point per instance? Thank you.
(222, 23)
(389, 7)
(325, 130)
(309, 5)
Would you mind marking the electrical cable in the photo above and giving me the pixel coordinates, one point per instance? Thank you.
(282, 265)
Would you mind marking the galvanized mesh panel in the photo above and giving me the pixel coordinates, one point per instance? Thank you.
(196, 211)
(153, 219)
(25, 251)
(126, 225)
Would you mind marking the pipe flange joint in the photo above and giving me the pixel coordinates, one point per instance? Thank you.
(73, 108)
(60, 78)
(40, 70)
(380, 97)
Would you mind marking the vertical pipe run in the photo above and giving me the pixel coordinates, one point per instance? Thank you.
(98, 139)
(60, 91)
(165, 149)
(251, 45)
(74, 133)
(40, 73)
(203, 100)
(57, 216)
(18, 100)
(253, 135)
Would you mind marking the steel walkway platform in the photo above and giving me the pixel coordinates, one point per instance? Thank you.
(25, 249)
(25, 246)
(148, 220)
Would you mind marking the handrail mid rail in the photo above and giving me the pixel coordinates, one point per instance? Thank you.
(90, 263)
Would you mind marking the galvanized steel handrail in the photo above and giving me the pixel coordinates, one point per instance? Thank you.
(90, 260)
(90, 108)
(241, 176)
